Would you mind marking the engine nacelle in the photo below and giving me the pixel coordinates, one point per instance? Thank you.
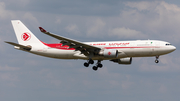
(109, 53)
(123, 60)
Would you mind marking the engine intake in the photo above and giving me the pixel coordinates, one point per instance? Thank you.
(123, 60)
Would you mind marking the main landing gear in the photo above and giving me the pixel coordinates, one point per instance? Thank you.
(157, 57)
(98, 65)
(90, 61)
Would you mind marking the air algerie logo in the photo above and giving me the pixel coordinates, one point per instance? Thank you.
(109, 53)
(26, 36)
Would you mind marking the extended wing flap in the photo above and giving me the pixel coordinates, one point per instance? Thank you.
(20, 46)
(70, 42)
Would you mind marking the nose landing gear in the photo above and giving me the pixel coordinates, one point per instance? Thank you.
(157, 57)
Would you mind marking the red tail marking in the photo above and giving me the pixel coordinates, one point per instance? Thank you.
(42, 30)
(26, 36)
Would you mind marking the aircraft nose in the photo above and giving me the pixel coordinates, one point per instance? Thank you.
(169, 49)
(173, 48)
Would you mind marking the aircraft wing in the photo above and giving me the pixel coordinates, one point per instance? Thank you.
(84, 48)
(19, 46)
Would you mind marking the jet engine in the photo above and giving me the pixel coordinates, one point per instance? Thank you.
(123, 60)
(109, 53)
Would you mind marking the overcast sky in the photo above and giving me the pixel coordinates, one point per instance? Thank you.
(27, 77)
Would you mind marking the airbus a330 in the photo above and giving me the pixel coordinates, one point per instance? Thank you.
(120, 52)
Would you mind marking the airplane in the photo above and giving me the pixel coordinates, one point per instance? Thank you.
(120, 52)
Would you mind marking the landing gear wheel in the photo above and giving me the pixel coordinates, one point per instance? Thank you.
(86, 64)
(95, 68)
(91, 61)
(156, 61)
(100, 65)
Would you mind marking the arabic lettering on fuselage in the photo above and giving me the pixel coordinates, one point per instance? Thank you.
(111, 44)
(98, 44)
(118, 44)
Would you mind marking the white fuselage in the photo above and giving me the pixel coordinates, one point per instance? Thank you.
(120, 52)
(139, 48)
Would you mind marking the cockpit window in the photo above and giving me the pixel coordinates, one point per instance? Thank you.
(168, 44)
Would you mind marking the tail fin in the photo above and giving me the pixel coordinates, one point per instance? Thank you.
(23, 34)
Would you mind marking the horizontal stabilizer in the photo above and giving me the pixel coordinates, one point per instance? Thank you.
(28, 48)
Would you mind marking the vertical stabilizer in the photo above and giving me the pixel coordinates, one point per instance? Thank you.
(23, 34)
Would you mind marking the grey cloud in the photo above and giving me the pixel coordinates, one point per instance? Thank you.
(79, 7)
(70, 7)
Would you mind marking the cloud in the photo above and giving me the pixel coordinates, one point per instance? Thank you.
(8, 77)
(168, 63)
(95, 28)
(162, 89)
(157, 18)
(29, 17)
(143, 5)
(126, 33)
(73, 28)
(7, 68)
(4, 14)
(80, 7)
(126, 84)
